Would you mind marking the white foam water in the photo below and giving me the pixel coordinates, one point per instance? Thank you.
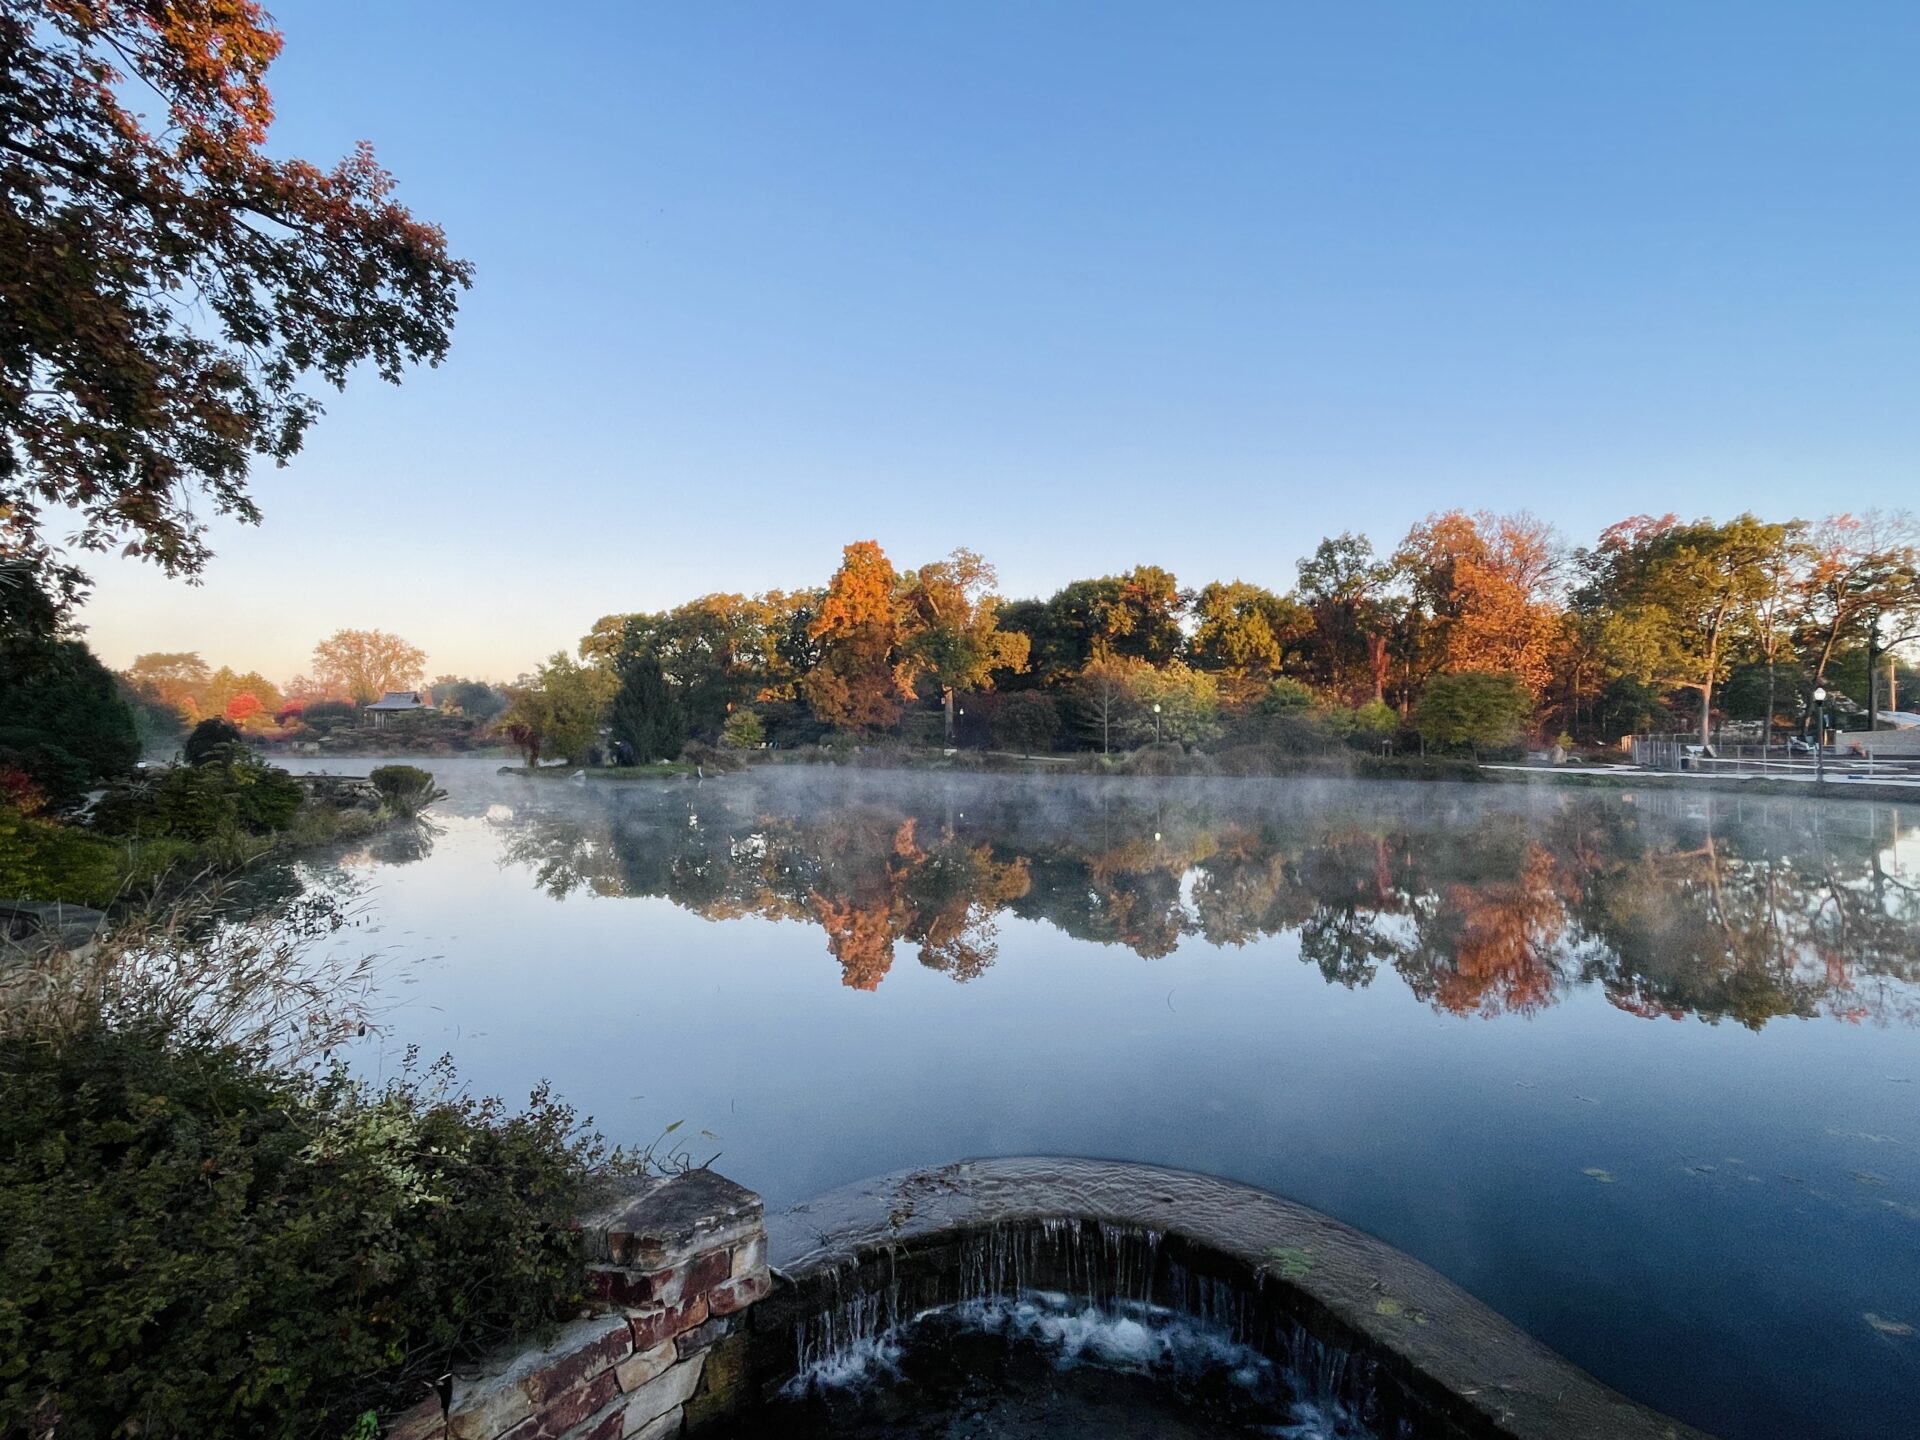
(1130, 1336)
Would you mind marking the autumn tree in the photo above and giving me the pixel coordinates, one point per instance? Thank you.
(1861, 587)
(1107, 692)
(1483, 587)
(171, 677)
(951, 622)
(226, 685)
(170, 288)
(365, 664)
(1674, 598)
(862, 675)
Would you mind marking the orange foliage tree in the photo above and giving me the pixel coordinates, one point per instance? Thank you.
(1484, 583)
(862, 675)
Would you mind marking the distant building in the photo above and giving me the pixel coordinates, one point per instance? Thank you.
(394, 702)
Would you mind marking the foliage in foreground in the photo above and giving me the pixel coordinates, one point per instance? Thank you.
(201, 1235)
(200, 1244)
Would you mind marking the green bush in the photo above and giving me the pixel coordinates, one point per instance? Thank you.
(46, 860)
(201, 803)
(407, 789)
(212, 739)
(194, 1242)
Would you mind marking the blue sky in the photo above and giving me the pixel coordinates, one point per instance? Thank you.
(1080, 286)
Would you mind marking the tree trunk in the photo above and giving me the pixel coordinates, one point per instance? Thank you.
(1873, 656)
(946, 696)
(1766, 735)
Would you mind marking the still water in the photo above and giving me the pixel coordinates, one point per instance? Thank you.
(1639, 1069)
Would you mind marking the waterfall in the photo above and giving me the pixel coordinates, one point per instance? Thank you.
(1090, 1292)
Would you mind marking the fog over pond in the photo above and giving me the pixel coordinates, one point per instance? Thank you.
(1638, 1068)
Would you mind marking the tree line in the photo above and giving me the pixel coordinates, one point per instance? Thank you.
(1475, 629)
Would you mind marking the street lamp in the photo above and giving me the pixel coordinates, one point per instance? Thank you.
(1156, 724)
(1819, 733)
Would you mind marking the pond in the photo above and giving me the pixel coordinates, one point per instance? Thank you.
(1637, 1068)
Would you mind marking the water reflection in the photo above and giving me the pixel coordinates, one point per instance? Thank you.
(1484, 901)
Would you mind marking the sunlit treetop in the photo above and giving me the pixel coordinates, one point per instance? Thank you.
(167, 290)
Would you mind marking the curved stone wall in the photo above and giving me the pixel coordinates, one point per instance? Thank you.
(1376, 1328)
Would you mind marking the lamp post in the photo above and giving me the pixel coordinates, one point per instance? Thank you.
(959, 715)
(1819, 734)
(1156, 724)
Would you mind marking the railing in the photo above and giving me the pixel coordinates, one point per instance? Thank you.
(1849, 756)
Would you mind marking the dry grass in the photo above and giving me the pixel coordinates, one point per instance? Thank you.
(279, 984)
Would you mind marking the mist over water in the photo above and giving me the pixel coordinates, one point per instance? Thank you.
(1640, 1069)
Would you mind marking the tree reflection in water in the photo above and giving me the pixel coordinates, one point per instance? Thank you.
(1484, 902)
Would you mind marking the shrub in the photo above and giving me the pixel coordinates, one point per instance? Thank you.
(743, 731)
(200, 1243)
(698, 752)
(1473, 710)
(212, 739)
(329, 715)
(238, 795)
(407, 789)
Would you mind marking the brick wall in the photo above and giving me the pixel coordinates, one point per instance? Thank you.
(671, 1266)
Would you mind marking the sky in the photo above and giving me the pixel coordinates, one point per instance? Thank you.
(1080, 286)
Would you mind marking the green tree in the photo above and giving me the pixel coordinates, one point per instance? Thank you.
(558, 711)
(1675, 598)
(1348, 591)
(171, 286)
(475, 699)
(1246, 630)
(62, 719)
(1474, 710)
(1176, 702)
(952, 628)
(1026, 721)
(743, 730)
(645, 713)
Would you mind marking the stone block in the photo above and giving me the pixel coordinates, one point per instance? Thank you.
(667, 1392)
(660, 1323)
(640, 1367)
(750, 1255)
(661, 1427)
(658, 1226)
(565, 1411)
(707, 1270)
(692, 1342)
(619, 1285)
(486, 1409)
(502, 1397)
(724, 1385)
(738, 1293)
(598, 1352)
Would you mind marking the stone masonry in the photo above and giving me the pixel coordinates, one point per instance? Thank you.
(670, 1266)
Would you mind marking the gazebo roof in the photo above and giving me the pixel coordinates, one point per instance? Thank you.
(399, 700)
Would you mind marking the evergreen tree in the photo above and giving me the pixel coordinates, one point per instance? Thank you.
(646, 715)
